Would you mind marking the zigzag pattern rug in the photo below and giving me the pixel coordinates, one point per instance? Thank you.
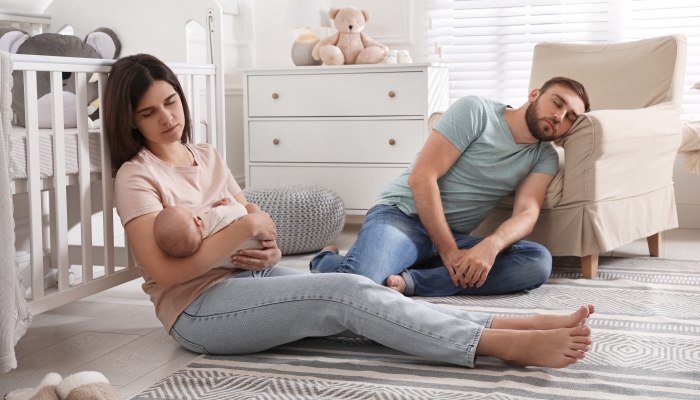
(646, 343)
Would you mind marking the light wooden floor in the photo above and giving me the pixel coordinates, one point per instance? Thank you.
(116, 332)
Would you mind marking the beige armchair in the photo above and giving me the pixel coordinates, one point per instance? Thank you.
(615, 183)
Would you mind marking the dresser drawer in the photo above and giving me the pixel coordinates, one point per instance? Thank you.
(357, 186)
(359, 141)
(337, 95)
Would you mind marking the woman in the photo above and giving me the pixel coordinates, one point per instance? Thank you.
(218, 311)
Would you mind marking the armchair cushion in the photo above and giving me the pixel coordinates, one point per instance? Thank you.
(627, 75)
(616, 154)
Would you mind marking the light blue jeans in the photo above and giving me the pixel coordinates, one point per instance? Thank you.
(392, 243)
(255, 311)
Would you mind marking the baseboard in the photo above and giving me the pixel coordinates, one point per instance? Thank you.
(688, 216)
(233, 90)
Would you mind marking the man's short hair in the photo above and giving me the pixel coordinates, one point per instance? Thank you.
(571, 84)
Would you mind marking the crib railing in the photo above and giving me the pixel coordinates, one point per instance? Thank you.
(29, 22)
(48, 198)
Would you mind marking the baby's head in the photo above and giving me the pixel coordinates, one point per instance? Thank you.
(178, 231)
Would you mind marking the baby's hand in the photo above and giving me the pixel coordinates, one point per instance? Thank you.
(222, 202)
(252, 208)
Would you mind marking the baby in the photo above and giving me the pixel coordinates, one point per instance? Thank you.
(179, 231)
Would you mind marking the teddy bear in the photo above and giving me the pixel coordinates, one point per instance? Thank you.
(101, 43)
(349, 45)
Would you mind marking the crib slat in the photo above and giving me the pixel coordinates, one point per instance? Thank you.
(84, 175)
(184, 83)
(33, 180)
(35, 29)
(195, 110)
(189, 95)
(59, 181)
(211, 111)
(107, 186)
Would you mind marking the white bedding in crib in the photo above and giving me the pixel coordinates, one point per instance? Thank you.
(19, 152)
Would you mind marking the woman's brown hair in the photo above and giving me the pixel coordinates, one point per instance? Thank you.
(129, 80)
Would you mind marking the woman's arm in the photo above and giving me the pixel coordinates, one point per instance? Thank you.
(256, 260)
(169, 271)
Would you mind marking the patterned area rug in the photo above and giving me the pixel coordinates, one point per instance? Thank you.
(646, 343)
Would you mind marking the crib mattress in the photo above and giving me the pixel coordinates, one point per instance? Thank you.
(19, 152)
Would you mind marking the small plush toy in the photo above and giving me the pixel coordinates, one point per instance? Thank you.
(101, 43)
(86, 385)
(349, 45)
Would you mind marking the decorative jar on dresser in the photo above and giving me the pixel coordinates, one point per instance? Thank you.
(350, 128)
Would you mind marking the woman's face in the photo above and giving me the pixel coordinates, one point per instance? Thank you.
(159, 115)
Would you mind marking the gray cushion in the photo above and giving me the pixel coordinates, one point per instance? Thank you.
(308, 217)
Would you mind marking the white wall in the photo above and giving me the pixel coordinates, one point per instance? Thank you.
(30, 6)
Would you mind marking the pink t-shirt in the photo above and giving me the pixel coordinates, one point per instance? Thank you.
(146, 183)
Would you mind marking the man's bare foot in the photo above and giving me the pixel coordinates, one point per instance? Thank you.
(544, 321)
(553, 348)
(396, 282)
(330, 247)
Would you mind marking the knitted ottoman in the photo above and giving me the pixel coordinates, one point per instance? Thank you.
(308, 217)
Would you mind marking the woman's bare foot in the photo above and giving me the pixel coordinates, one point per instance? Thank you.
(553, 348)
(396, 282)
(544, 321)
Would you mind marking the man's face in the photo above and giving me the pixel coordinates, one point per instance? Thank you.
(551, 114)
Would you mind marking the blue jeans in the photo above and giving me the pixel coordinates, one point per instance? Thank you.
(254, 311)
(392, 243)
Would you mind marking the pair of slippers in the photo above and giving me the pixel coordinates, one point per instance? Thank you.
(86, 385)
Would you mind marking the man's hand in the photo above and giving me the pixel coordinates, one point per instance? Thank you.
(452, 260)
(470, 267)
(258, 260)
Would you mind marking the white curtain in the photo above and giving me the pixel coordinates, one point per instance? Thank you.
(488, 43)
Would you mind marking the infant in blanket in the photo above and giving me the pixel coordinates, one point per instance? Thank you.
(179, 231)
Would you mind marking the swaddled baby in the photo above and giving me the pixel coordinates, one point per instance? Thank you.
(179, 231)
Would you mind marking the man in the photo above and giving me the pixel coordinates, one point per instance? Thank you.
(416, 238)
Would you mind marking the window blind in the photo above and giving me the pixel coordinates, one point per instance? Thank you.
(488, 44)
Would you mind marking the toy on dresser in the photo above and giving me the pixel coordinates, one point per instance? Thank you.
(349, 45)
(101, 43)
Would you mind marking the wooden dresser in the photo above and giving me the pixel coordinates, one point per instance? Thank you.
(350, 128)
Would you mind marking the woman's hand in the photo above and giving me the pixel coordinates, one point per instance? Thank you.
(263, 226)
(257, 260)
(252, 208)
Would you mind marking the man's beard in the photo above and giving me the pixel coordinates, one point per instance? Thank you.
(532, 119)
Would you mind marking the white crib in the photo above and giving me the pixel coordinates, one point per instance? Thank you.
(67, 178)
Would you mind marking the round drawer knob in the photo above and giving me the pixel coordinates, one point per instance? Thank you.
(392, 94)
(392, 141)
(274, 95)
(276, 141)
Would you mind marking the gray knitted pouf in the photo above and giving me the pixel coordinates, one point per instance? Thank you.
(308, 217)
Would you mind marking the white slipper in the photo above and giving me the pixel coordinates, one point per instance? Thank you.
(52, 379)
(77, 380)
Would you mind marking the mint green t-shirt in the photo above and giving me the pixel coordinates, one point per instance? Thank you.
(490, 167)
